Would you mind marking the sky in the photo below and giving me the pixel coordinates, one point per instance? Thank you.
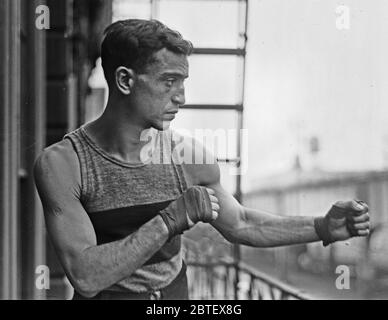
(305, 77)
(313, 69)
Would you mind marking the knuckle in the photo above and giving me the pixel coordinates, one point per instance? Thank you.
(338, 203)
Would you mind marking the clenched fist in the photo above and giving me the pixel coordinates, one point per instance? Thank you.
(194, 205)
(344, 220)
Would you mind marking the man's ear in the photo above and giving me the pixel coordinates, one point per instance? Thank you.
(125, 80)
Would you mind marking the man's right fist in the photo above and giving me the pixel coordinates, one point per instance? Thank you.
(195, 204)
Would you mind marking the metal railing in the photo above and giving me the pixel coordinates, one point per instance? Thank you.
(217, 281)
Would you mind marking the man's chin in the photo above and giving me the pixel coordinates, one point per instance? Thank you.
(164, 125)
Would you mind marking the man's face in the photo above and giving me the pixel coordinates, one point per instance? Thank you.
(159, 91)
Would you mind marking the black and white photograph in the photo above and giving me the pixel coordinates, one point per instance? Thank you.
(193, 150)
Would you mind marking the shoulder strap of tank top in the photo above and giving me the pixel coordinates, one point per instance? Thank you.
(80, 146)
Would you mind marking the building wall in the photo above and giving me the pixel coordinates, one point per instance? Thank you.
(9, 11)
(43, 86)
(22, 78)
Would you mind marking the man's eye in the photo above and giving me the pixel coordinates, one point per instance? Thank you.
(170, 82)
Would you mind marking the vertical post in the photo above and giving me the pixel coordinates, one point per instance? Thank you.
(33, 232)
(240, 124)
(238, 196)
(9, 145)
(154, 9)
(281, 253)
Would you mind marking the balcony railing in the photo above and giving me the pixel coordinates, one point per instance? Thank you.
(218, 281)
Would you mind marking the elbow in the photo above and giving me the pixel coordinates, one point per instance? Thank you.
(237, 240)
(235, 233)
(232, 236)
(83, 284)
(84, 288)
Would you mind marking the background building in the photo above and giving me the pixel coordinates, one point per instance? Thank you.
(312, 267)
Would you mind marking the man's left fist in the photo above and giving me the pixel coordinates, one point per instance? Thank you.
(344, 220)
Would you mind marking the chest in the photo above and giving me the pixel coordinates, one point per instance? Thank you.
(110, 186)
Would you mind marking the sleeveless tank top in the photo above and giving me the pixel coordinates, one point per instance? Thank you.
(120, 197)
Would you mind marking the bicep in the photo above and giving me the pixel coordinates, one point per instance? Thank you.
(67, 222)
(230, 213)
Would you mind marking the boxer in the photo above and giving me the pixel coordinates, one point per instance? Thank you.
(115, 222)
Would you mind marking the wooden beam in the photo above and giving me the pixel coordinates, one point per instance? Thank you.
(220, 51)
(237, 107)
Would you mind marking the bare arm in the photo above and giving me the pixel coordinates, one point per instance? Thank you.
(254, 227)
(90, 268)
(257, 228)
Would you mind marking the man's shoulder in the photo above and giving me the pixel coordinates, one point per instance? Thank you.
(59, 157)
(185, 142)
(198, 160)
(57, 176)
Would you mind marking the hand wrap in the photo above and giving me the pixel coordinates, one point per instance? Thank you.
(194, 204)
(321, 224)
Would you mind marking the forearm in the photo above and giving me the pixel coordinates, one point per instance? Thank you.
(99, 267)
(260, 229)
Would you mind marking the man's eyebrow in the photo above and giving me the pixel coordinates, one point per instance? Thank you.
(174, 74)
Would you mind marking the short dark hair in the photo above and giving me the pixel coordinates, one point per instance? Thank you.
(132, 43)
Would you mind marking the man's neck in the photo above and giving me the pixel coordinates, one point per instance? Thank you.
(118, 134)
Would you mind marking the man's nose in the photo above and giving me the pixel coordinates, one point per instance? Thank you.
(179, 98)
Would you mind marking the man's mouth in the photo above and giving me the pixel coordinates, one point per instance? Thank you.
(170, 115)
